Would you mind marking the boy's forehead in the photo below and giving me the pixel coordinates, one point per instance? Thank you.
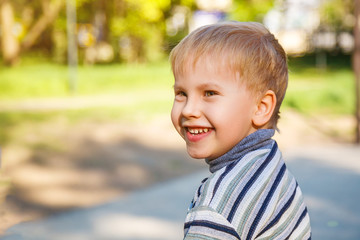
(209, 63)
(211, 72)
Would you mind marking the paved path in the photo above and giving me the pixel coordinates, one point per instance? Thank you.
(329, 177)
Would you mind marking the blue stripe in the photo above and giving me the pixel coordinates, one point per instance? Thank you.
(215, 226)
(302, 216)
(266, 202)
(279, 215)
(251, 182)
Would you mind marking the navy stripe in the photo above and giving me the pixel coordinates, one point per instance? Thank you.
(302, 216)
(199, 191)
(279, 215)
(266, 202)
(217, 184)
(251, 182)
(214, 226)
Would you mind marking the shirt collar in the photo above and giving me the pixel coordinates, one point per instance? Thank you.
(261, 139)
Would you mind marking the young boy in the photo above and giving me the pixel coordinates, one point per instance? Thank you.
(230, 80)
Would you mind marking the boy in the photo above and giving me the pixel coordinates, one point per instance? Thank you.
(230, 80)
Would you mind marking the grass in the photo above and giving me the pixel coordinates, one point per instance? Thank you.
(141, 111)
(50, 80)
(321, 91)
(139, 86)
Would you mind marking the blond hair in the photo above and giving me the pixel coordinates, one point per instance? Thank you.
(245, 48)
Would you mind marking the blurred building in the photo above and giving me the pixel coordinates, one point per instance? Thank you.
(210, 11)
(294, 22)
(297, 25)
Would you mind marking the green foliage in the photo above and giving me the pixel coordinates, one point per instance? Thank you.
(187, 3)
(151, 11)
(336, 15)
(250, 10)
(145, 42)
(80, 3)
(140, 24)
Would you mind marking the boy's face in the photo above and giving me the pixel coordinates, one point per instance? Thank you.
(212, 111)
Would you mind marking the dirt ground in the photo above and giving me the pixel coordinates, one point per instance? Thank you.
(91, 163)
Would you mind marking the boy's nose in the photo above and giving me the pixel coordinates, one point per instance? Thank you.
(191, 109)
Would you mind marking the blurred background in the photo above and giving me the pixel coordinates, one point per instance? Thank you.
(86, 92)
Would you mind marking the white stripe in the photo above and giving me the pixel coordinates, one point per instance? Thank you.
(242, 182)
(209, 188)
(259, 183)
(231, 175)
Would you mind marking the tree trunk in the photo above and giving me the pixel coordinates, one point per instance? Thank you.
(103, 15)
(356, 66)
(9, 43)
(42, 23)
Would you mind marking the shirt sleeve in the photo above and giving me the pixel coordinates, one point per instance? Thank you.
(205, 223)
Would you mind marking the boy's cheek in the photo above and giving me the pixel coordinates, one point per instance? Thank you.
(175, 118)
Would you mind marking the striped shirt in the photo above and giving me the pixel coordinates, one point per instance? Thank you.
(251, 197)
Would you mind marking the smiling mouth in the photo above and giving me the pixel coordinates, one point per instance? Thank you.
(196, 131)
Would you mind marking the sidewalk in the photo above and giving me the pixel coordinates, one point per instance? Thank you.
(329, 178)
(155, 213)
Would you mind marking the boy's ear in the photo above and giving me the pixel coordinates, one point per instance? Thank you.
(265, 109)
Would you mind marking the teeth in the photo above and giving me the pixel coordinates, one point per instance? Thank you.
(198, 130)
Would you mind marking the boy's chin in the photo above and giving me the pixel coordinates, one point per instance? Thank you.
(196, 155)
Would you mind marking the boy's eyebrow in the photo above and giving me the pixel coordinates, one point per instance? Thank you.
(175, 86)
(202, 86)
(209, 85)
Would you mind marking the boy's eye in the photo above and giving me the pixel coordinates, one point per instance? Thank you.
(180, 93)
(210, 93)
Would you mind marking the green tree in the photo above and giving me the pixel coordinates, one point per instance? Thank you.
(134, 28)
(140, 27)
